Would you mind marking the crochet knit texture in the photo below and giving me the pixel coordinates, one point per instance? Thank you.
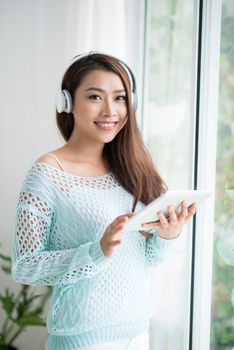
(60, 219)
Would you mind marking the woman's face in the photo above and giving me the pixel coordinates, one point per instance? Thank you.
(100, 107)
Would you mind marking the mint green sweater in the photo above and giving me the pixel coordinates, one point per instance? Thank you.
(60, 219)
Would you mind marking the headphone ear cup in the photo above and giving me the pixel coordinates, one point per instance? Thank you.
(64, 101)
(60, 101)
(68, 101)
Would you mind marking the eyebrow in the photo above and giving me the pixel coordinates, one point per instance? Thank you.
(101, 90)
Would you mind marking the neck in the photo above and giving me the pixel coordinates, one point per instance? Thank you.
(79, 150)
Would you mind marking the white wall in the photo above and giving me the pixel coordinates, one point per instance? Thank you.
(36, 40)
(29, 51)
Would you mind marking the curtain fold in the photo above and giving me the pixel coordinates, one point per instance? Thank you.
(101, 25)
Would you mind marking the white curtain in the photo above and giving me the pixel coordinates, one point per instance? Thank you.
(37, 38)
(104, 28)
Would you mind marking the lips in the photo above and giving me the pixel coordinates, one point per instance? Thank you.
(106, 122)
(106, 125)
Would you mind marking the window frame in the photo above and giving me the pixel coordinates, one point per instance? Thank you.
(208, 54)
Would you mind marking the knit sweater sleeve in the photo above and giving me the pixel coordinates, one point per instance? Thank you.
(158, 249)
(33, 262)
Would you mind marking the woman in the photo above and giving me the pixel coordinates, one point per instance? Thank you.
(73, 206)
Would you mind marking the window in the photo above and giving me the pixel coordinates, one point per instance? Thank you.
(182, 52)
(168, 131)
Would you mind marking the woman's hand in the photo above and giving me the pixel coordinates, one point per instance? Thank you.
(172, 226)
(112, 237)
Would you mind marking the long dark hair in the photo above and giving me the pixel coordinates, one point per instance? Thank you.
(126, 154)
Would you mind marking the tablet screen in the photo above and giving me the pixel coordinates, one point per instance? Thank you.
(174, 198)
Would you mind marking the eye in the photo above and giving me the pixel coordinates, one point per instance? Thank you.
(121, 98)
(94, 97)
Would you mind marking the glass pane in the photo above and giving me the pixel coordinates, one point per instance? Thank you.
(168, 134)
(222, 331)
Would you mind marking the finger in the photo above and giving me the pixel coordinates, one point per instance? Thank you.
(172, 214)
(118, 224)
(192, 207)
(153, 224)
(125, 216)
(162, 219)
(184, 211)
(129, 214)
(150, 223)
(116, 242)
(117, 230)
(184, 208)
(121, 218)
(108, 229)
(191, 211)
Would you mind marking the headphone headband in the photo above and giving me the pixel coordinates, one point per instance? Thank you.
(64, 99)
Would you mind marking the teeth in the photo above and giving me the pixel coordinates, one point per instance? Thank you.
(106, 124)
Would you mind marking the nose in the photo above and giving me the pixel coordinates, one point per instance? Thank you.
(110, 115)
(109, 109)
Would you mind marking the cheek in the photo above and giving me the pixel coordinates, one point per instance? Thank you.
(84, 109)
(123, 111)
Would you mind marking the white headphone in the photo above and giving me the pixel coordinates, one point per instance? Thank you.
(64, 99)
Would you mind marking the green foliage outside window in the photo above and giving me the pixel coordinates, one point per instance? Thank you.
(222, 329)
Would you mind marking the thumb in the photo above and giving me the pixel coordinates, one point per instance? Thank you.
(129, 214)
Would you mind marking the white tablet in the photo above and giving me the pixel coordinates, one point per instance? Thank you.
(174, 198)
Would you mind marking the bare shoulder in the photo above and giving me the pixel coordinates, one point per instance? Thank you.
(48, 159)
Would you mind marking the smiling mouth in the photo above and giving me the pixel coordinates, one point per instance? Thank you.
(106, 125)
